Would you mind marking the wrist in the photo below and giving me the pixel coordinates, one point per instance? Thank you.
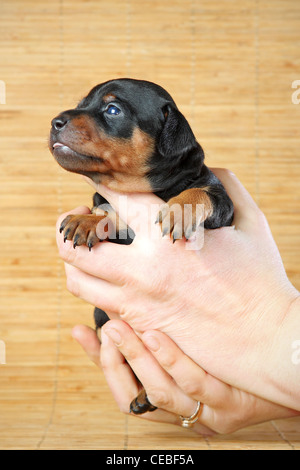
(281, 370)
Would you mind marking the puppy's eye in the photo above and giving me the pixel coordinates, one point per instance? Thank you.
(112, 110)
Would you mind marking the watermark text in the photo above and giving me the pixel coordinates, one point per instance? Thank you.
(296, 353)
(2, 92)
(296, 94)
(2, 352)
(176, 221)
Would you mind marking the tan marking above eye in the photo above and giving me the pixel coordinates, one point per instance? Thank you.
(108, 98)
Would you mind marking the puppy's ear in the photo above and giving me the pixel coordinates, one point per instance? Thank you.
(177, 137)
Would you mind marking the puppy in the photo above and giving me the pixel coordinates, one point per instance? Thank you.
(130, 136)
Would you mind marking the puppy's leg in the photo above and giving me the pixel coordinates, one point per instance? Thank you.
(83, 229)
(141, 404)
(102, 224)
(100, 317)
(182, 214)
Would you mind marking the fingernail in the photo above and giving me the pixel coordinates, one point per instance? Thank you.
(114, 335)
(151, 343)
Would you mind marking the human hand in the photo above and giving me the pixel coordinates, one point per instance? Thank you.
(226, 305)
(182, 383)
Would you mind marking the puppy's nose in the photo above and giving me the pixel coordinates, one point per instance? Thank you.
(59, 122)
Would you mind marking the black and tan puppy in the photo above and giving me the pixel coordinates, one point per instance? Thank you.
(130, 136)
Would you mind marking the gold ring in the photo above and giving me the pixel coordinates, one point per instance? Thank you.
(191, 420)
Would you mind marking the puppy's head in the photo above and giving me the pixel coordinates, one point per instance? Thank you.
(122, 134)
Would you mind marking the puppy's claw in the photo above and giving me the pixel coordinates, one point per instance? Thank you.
(175, 237)
(166, 230)
(188, 232)
(64, 223)
(75, 241)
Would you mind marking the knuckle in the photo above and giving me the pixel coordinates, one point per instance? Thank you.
(130, 354)
(159, 398)
(168, 361)
(123, 311)
(193, 390)
(196, 389)
(105, 364)
(105, 357)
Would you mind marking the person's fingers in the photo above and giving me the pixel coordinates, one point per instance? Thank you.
(93, 290)
(124, 386)
(118, 374)
(246, 212)
(89, 341)
(195, 382)
(167, 395)
(92, 262)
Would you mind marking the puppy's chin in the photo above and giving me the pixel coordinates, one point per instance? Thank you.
(76, 162)
(93, 177)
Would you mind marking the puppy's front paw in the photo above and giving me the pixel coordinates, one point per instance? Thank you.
(82, 229)
(171, 218)
(182, 214)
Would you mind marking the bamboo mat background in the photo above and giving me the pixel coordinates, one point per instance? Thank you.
(230, 66)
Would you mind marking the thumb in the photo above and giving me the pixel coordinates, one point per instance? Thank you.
(89, 341)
